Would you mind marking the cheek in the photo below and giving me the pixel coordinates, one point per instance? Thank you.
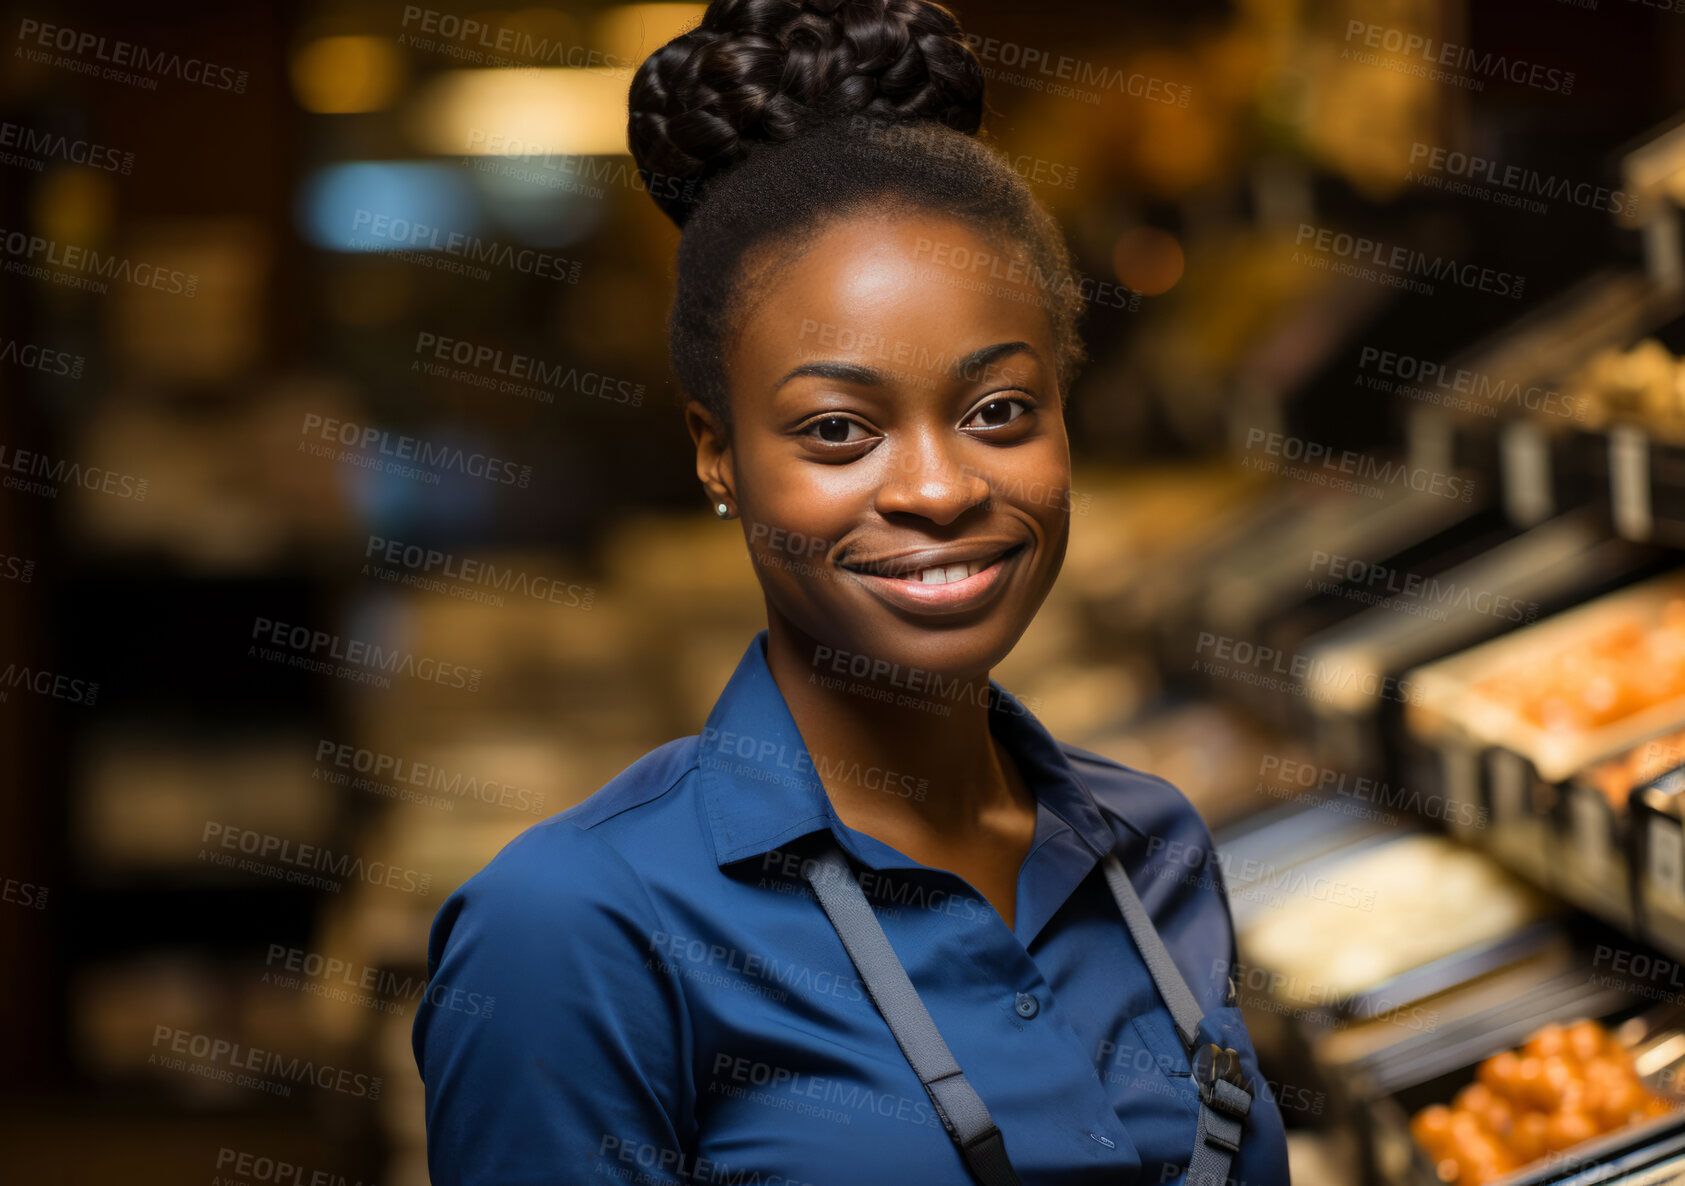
(796, 493)
(794, 513)
(1035, 481)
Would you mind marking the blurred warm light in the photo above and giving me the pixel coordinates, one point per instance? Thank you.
(341, 75)
(631, 32)
(1147, 260)
(369, 297)
(1659, 163)
(1364, 120)
(522, 112)
(1177, 149)
(74, 205)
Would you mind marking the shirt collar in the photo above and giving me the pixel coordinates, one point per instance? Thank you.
(761, 789)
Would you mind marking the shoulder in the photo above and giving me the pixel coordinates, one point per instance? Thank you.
(1151, 806)
(578, 874)
(1166, 849)
(648, 779)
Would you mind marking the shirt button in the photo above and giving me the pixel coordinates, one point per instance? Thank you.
(1026, 1005)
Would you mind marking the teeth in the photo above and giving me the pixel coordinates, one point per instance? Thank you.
(946, 574)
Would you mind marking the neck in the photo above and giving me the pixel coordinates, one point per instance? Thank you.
(894, 753)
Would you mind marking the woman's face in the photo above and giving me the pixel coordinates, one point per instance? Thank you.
(898, 452)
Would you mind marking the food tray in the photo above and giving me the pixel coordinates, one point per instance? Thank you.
(1444, 704)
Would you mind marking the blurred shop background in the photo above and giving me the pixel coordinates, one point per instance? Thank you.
(348, 527)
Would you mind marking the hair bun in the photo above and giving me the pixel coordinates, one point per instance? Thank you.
(763, 70)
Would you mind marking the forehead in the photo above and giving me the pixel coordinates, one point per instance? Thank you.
(888, 287)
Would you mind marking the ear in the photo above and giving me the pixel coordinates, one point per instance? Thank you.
(713, 454)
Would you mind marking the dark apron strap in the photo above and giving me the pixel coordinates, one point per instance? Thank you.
(1224, 1099)
(957, 1103)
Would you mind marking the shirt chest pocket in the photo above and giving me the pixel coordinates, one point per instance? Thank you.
(1148, 1058)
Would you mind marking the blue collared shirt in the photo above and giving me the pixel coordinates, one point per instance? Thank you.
(671, 1005)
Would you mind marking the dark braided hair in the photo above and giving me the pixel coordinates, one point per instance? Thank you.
(773, 119)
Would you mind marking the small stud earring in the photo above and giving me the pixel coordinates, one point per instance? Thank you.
(722, 510)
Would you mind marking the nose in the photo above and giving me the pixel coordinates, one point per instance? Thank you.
(927, 479)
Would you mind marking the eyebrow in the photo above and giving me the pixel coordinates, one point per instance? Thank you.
(865, 376)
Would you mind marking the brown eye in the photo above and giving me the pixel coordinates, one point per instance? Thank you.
(838, 430)
(998, 412)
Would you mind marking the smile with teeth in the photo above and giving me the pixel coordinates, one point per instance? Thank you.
(943, 574)
(933, 574)
(908, 583)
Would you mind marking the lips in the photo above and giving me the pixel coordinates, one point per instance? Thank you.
(951, 579)
(936, 566)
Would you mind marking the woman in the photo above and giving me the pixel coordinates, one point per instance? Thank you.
(873, 924)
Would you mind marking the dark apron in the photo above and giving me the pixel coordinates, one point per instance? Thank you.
(1224, 1099)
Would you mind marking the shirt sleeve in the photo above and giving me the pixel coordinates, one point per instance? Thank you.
(553, 1042)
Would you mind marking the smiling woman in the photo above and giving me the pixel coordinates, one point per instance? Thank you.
(754, 955)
